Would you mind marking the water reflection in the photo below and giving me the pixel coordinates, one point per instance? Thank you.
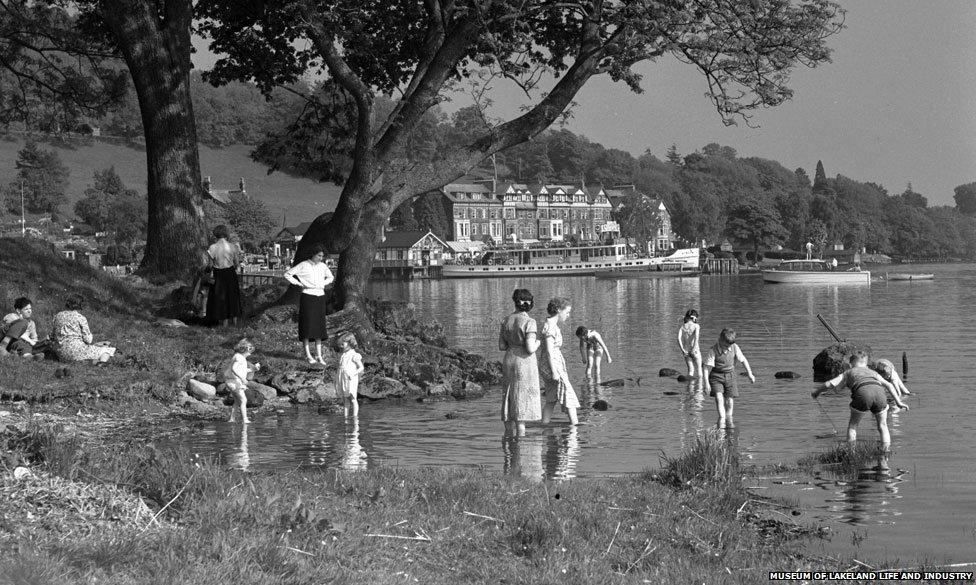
(523, 456)
(870, 497)
(562, 452)
(240, 458)
(353, 455)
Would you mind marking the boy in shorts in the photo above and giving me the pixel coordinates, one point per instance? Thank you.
(719, 365)
(867, 395)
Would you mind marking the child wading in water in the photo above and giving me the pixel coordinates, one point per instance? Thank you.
(720, 375)
(867, 395)
(347, 376)
(235, 378)
(688, 337)
(592, 350)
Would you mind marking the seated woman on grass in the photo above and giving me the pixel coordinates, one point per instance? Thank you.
(71, 338)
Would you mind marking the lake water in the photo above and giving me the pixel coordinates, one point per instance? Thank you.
(924, 509)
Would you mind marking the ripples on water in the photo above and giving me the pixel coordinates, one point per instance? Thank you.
(923, 507)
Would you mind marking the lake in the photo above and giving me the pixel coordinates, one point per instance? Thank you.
(922, 510)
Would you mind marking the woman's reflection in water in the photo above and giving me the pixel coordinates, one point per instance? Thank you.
(319, 448)
(240, 457)
(562, 452)
(523, 456)
(353, 454)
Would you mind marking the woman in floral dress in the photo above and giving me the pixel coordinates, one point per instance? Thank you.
(71, 337)
(519, 341)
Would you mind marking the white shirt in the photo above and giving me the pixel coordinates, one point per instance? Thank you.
(224, 253)
(313, 278)
(236, 371)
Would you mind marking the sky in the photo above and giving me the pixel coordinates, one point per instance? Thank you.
(896, 106)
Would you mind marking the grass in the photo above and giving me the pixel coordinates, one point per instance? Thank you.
(296, 198)
(843, 459)
(389, 525)
(150, 357)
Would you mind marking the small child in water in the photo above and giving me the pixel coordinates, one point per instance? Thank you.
(235, 378)
(347, 375)
(592, 349)
(688, 342)
(867, 395)
(720, 377)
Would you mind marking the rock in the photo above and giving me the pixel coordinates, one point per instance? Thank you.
(835, 359)
(291, 381)
(467, 390)
(266, 392)
(614, 383)
(324, 393)
(182, 398)
(165, 322)
(433, 399)
(382, 387)
(202, 408)
(200, 390)
(669, 393)
(206, 378)
(279, 314)
(302, 396)
(601, 405)
(255, 399)
(787, 375)
(438, 389)
(684, 378)
(667, 372)
(412, 388)
(454, 414)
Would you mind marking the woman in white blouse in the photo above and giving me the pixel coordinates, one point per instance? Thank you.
(313, 276)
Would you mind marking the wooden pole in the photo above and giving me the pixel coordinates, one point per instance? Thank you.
(830, 329)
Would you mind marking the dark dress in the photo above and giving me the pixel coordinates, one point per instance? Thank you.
(224, 300)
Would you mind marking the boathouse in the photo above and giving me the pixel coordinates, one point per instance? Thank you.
(407, 254)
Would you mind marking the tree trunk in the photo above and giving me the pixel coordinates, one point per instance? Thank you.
(156, 46)
(356, 260)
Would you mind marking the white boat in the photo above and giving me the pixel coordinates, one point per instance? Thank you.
(813, 272)
(558, 260)
(908, 276)
(682, 263)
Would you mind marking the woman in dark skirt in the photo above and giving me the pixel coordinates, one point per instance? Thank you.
(312, 276)
(224, 301)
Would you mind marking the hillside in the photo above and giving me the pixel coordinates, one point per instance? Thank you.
(297, 199)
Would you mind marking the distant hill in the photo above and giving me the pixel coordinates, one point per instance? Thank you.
(298, 199)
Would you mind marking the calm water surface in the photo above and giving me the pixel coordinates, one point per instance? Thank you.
(924, 509)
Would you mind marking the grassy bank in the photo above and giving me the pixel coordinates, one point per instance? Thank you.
(204, 524)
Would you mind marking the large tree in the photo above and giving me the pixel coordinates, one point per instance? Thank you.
(417, 50)
(152, 39)
(965, 197)
(755, 219)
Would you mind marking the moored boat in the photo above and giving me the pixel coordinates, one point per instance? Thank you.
(908, 276)
(813, 272)
(564, 261)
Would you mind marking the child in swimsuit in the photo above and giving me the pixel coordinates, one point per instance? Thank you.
(688, 342)
(592, 350)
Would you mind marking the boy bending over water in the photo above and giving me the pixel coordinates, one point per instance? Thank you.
(867, 394)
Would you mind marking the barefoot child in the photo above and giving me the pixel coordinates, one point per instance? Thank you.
(720, 360)
(688, 342)
(235, 378)
(592, 350)
(347, 375)
(867, 394)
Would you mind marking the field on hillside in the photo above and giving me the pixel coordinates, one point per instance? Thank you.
(296, 199)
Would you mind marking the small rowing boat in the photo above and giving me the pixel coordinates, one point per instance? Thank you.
(908, 276)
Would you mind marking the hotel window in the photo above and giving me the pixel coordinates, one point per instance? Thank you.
(474, 229)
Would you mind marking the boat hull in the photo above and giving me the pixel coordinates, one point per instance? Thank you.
(829, 277)
(647, 273)
(906, 276)
(687, 258)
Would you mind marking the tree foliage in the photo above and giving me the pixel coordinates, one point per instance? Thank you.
(250, 219)
(41, 180)
(417, 51)
(52, 73)
(965, 197)
(109, 206)
(639, 218)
